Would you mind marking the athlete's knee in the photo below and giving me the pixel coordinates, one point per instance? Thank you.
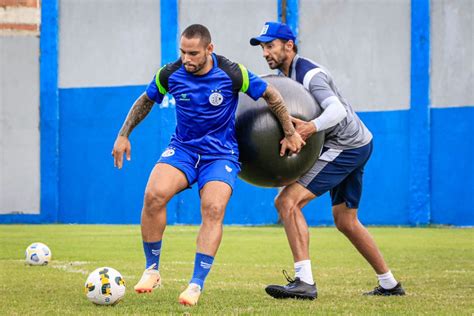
(154, 201)
(345, 227)
(346, 221)
(212, 212)
(281, 202)
(286, 206)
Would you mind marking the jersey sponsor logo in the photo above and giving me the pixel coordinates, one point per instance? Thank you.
(216, 98)
(264, 30)
(184, 97)
(228, 169)
(168, 152)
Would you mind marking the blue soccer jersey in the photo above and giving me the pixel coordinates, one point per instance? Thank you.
(206, 104)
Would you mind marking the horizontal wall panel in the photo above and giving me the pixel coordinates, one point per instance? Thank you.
(365, 45)
(452, 53)
(19, 121)
(232, 24)
(109, 42)
(93, 191)
(385, 189)
(452, 167)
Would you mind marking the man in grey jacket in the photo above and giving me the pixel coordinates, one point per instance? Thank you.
(339, 169)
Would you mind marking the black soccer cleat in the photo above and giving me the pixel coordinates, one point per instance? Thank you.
(294, 289)
(380, 291)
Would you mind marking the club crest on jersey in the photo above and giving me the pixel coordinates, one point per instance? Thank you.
(168, 152)
(216, 98)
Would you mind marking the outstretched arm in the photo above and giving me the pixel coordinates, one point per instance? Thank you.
(137, 113)
(292, 140)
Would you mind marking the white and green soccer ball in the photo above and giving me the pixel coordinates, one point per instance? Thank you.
(105, 286)
(37, 254)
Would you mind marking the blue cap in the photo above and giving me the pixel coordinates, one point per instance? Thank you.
(272, 31)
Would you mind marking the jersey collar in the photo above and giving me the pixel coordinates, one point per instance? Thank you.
(292, 72)
(214, 60)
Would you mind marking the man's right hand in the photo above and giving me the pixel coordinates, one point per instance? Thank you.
(121, 146)
(305, 129)
(293, 143)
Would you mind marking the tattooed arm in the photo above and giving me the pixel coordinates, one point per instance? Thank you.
(292, 140)
(137, 113)
(139, 110)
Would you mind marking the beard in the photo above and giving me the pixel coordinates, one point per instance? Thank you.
(274, 64)
(193, 68)
(276, 60)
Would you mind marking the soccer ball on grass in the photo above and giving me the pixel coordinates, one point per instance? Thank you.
(105, 286)
(37, 254)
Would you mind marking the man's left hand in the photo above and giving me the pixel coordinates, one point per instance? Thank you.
(305, 129)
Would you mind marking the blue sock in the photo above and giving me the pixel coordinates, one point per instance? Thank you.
(202, 266)
(152, 253)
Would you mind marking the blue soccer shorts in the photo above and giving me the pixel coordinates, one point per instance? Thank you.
(201, 168)
(340, 172)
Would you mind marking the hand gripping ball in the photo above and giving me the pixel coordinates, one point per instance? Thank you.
(259, 134)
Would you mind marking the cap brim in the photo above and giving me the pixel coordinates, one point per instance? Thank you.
(254, 41)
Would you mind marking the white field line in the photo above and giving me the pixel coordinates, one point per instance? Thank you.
(458, 271)
(75, 267)
(168, 264)
(71, 267)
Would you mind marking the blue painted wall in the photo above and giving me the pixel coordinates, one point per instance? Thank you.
(452, 166)
(93, 191)
(421, 170)
(49, 120)
(419, 145)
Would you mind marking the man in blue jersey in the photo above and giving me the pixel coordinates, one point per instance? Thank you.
(203, 148)
(339, 169)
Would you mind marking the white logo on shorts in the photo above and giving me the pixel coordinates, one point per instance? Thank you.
(229, 169)
(216, 99)
(168, 152)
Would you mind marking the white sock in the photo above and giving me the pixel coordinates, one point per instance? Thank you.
(303, 271)
(386, 280)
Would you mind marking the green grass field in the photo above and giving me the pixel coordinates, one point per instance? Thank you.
(435, 265)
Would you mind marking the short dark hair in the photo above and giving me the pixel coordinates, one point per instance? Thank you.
(295, 47)
(198, 31)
